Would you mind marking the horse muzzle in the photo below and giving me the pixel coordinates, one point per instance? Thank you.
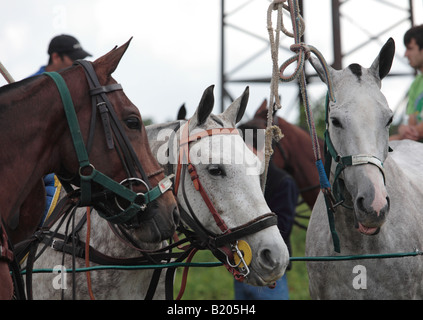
(371, 215)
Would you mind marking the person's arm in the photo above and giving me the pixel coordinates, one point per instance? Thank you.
(412, 130)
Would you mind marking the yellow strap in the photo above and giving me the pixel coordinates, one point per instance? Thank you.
(56, 195)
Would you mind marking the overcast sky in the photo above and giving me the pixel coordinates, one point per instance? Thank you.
(175, 52)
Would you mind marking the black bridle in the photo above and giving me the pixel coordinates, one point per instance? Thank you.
(114, 134)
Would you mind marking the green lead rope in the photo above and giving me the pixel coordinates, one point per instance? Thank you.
(329, 153)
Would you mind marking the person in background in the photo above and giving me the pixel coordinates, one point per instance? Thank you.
(413, 130)
(63, 50)
(281, 194)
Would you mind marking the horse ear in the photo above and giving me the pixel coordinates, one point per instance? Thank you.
(260, 111)
(205, 106)
(320, 70)
(237, 108)
(108, 63)
(182, 113)
(383, 62)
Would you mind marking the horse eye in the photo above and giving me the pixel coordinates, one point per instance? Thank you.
(336, 123)
(133, 123)
(390, 121)
(216, 170)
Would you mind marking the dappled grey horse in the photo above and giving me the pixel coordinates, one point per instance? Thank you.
(218, 188)
(383, 200)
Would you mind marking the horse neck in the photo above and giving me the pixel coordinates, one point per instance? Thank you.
(31, 112)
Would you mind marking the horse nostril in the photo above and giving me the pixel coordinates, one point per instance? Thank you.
(266, 257)
(360, 204)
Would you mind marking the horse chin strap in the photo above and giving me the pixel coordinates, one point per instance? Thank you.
(235, 254)
(88, 174)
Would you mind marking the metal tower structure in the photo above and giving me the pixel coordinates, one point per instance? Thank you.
(345, 17)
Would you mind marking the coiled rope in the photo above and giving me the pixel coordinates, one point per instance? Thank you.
(302, 53)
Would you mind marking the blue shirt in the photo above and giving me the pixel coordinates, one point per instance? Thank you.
(42, 70)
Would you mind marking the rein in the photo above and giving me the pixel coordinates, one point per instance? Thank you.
(88, 174)
(70, 243)
(232, 257)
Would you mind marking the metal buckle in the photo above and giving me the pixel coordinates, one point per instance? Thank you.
(242, 264)
(143, 206)
(91, 173)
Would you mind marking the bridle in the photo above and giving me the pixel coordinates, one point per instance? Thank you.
(235, 254)
(113, 130)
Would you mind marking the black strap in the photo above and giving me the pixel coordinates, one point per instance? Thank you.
(153, 284)
(106, 89)
(100, 92)
(262, 222)
(104, 115)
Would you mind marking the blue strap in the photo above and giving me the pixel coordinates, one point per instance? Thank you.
(324, 182)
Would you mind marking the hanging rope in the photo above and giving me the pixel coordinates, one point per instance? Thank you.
(273, 132)
(302, 53)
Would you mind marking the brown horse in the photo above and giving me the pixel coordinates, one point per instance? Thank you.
(36, 140)
(293, 153)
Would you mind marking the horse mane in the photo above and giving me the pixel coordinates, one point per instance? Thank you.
(17, 85)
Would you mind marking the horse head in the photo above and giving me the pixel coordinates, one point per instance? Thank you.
(357, 137)
(220, 188)
(117, 146)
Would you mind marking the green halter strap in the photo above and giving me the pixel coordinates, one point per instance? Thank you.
(88, 173)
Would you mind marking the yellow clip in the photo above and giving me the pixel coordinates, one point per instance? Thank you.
(246, 252)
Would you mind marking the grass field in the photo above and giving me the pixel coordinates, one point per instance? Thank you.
(216, 283)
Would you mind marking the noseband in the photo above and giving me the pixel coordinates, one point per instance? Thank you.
(87, 173)
(233, 257)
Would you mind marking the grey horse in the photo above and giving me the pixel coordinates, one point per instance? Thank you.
(382, 205)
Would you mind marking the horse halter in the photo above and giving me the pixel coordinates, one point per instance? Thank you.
(336, 198)
(344, 161)
(87, 173)
(237, 256)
